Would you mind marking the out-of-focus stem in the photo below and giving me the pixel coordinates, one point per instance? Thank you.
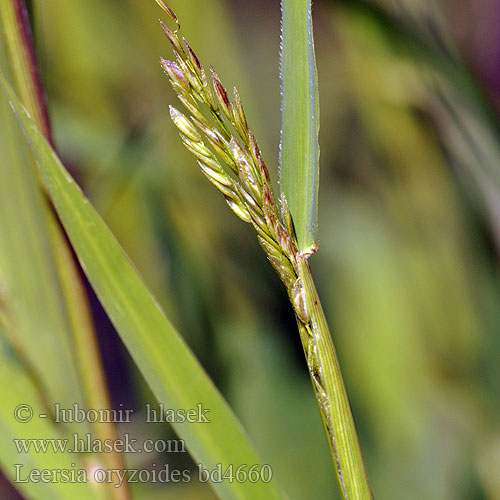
(88, 356)
(331, 394)
(18, 38)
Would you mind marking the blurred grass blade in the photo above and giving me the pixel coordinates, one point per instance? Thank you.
(27, 264)
(167, 364)
(21, 390)
(18, 45)
(299, 149)
(41, 329)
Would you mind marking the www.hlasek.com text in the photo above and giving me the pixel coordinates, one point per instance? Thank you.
(86, 443)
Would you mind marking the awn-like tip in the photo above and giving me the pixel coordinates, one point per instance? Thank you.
(178, 50)
(169, 11)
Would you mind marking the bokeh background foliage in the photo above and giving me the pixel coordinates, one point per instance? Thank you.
(409, 226)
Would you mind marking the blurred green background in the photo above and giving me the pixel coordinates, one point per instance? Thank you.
(409, 226)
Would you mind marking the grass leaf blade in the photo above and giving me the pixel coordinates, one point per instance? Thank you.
(18, 45)
(27, 263)
(299, 148)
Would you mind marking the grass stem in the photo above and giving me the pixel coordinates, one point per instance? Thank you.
(331, 394)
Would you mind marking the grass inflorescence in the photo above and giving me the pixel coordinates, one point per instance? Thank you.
(217, 133)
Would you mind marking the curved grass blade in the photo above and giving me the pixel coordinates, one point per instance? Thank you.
(299, 148)
(28, 266)
(17, 42)
(169, 367)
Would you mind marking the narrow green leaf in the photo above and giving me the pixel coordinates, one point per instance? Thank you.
(17, 44)
(27, 264)
(174, 374)
(299, 149)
